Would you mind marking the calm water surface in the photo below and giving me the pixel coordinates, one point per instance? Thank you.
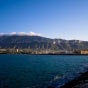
(38, 71)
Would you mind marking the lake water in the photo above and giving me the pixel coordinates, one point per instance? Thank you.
(39, 71)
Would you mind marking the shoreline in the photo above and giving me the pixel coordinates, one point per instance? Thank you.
(44, 54)
(79, 82)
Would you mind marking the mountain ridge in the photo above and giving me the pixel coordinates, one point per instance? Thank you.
(39, 42)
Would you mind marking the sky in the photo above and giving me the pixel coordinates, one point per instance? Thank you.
(66, 19)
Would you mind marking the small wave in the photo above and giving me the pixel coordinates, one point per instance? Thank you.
(59, 81)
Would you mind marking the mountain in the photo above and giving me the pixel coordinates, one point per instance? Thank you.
(37, 42)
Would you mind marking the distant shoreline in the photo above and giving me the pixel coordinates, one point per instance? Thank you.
(47, 54)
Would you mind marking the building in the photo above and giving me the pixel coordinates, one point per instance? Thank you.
(84, 51)
(81, 52)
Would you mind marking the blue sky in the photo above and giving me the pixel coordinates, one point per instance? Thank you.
(67, 19)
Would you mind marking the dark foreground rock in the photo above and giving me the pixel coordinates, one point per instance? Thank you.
(80, 82)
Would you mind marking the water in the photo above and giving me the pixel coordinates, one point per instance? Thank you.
(38, 71)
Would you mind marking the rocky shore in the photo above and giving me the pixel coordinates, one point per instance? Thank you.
(80, 82)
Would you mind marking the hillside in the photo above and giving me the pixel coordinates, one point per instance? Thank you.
(37, 42)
